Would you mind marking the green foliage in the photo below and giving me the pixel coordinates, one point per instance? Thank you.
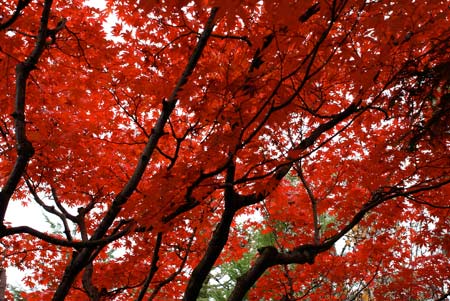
(16, 293)
(222, 278)
(55, 228)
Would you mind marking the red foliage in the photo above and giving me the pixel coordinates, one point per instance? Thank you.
(328, 121)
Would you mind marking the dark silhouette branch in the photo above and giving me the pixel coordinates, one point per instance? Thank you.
(311, 11)
(82, 258)
(313, 200)
(218, 240)
(20, 6)
(63, 242)
(270, 256)
(49, 209)
(91, 290)
(23, 146)
(61, 207)
(246, 281)
(366, 285)
(177, 272)
(443, 297)
(153, 268)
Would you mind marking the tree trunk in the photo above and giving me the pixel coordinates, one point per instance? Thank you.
(2, 284)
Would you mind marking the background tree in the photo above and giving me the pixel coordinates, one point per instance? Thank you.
(311, 121)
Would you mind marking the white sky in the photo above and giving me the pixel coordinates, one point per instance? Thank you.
(18, 215)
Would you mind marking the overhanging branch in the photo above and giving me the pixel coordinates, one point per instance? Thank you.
(84, 257)
(23, 146)
(270, 256)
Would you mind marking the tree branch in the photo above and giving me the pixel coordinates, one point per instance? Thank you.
(270, 256)
(63, 242)
(50, 209)
(178, 271)
(218, 240)
(153, 267)
(82, 258)
(313, 200)
(24, 148)
(20, 6)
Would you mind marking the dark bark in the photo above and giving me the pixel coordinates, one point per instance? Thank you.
(91, 290)
(217, 242)
(23, 147)
(234, 202)
(3, 284)
(153, 268)
(172, 276)
(310, 12)
(246, 281)
(84, 257)
(63, 242)
(20, 6)
(270, 256)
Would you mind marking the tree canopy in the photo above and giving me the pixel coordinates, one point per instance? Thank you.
(259, 150)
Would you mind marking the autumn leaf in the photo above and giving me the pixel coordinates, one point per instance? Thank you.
(197, 150)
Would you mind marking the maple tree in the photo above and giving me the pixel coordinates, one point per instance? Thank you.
(198, 138)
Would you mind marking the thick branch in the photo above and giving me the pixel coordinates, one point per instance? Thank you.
(304, 253)
(63, 242)
(91, 290)
(217, 242)
(246, 281)
(24, 148)
(157, 132)
(20, 6)
(309, 12)
(81, 260)
(270, 256)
